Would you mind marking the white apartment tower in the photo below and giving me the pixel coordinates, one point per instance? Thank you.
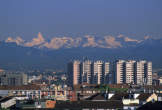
(86, 71)
(101, 72)
(143, 74)
(129, 71)
(118, 69)
(140, 73)
(107, 75)
(98, 74)
(149, 73)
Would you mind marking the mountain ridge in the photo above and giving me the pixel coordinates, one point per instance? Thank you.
(17, 56)
(55, 43)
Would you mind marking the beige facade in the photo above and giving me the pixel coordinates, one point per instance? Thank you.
(76, 72)
(87, 71)
(152, 97)
(119, 70)
(129, 72)
(98, 72)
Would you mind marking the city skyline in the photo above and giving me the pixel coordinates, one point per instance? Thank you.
(81, 54)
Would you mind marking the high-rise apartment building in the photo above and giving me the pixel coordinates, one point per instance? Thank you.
(132, 72)
(148, 74)
(129, 71)
(140, 72)
(98, 74)
(74, 72)
(107, 75)
(101, 72)
(118, 71)
(88, 72)
(143, 74)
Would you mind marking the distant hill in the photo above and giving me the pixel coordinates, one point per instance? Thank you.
(15, 54)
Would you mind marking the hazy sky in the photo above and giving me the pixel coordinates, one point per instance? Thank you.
(134, 18)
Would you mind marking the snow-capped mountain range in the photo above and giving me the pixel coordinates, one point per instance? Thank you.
(39, 53)
(85, 41)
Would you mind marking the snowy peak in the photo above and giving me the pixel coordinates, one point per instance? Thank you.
(74, 42)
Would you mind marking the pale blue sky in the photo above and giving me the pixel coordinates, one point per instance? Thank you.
(134, 18)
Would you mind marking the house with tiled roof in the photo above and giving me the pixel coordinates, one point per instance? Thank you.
(9, 101)
(147, 97)
(31, 91)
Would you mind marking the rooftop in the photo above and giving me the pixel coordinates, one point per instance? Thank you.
(97, 97)
(151, 106)
(4, 99)
(144, 96)
(90, 104)
(119, 96)
(24, 87)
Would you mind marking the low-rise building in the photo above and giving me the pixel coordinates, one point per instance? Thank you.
(30, 91)
(147, 97)
(13, 79)
(7, 102)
